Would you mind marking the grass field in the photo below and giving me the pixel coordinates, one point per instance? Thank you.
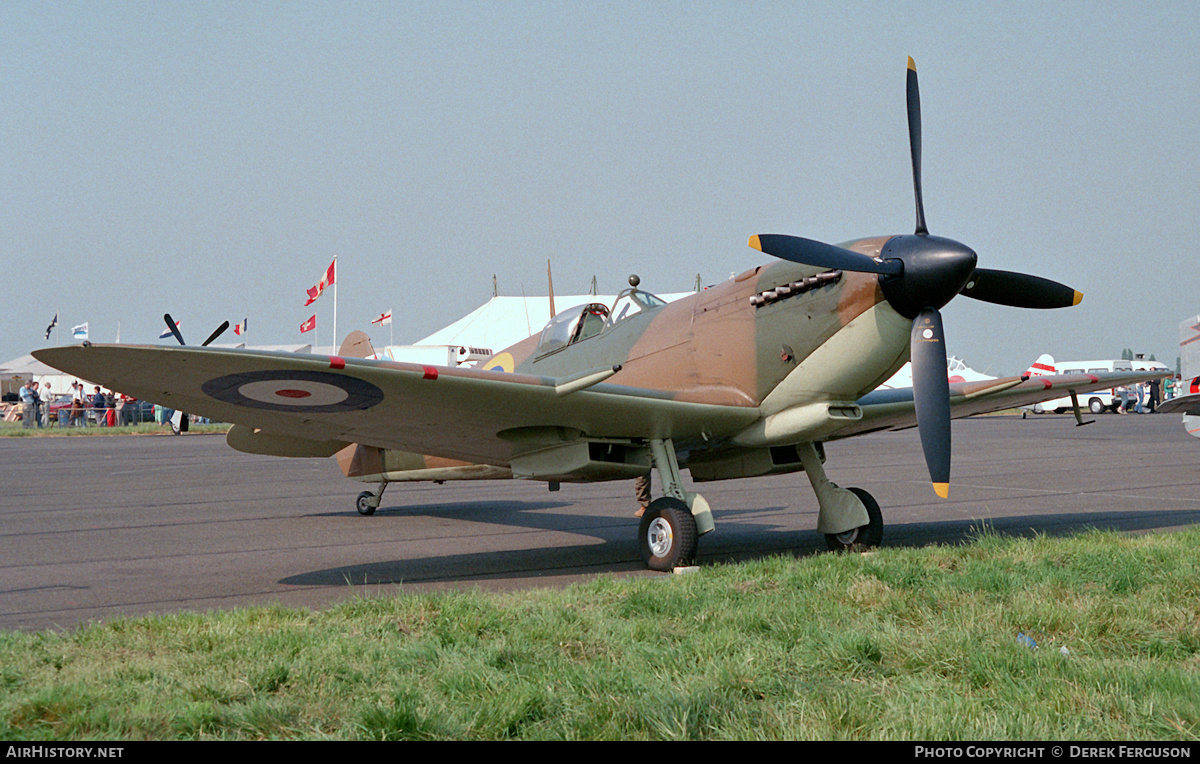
(903, 644)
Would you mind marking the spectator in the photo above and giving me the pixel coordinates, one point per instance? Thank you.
(26, 395)
(99, 405)
(641, 489)
(37, 403)
(47, 398)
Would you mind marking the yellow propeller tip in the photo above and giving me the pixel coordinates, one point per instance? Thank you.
(755, 243)
(1077, 299)
(912, 64)
(942, 490)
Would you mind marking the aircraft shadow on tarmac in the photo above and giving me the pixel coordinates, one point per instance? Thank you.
(466, 510)
(609, 545)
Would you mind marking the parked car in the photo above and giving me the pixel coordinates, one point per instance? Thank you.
(59, 409)
(136, 411)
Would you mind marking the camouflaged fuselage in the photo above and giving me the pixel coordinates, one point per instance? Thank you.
(733, 343)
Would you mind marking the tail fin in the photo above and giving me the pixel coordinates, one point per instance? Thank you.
(1042, 367)
(357, 345)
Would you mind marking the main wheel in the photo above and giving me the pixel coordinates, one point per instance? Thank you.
(1095, 406)
(863, 537)
(364, 503)
(667, 534)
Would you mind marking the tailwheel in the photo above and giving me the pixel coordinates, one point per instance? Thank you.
(366, 503)
(667, 534)
(863, 537)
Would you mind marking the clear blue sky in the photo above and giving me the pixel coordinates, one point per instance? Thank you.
(209, 159)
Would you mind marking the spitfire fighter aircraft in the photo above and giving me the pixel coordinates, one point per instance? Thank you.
(747, 378)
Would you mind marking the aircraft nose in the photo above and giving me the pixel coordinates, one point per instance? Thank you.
(935, 269)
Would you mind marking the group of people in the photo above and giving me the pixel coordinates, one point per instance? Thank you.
(1148, 395)
(32, 409)
(35, 405)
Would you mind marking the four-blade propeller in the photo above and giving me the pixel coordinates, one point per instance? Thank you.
(919, 274)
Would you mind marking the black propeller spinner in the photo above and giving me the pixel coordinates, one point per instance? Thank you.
(919, 274)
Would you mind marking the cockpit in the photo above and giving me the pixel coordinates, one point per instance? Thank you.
(584, 321)
(633, 301)
(573, 325)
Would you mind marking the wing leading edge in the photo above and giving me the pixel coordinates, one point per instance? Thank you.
(485, 417)
(893, 409)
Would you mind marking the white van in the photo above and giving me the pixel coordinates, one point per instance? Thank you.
(1096, 401)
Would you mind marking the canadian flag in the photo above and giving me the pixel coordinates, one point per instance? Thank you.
(326, 280)
(309, 325)
(240, 328)
(384, 319)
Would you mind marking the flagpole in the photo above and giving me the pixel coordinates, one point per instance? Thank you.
(335, 285)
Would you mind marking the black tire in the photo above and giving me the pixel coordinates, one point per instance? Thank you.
(363, 503)
(667, 534)
(864, 537)
(1095, 406)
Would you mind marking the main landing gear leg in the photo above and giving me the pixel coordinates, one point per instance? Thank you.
(368, 501)
(672, 524)
(849, 517)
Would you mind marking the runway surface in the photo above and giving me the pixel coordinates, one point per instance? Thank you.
(96, 527)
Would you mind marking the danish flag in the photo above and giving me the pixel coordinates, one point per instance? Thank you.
(326, 280)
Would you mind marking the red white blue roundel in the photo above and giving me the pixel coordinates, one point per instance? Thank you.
(317, 392)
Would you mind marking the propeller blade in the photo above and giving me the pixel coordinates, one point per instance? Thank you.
(1019, 290)
(809, 252)
(931, 396)
(220, 330)
(174, 329)
(914, 142)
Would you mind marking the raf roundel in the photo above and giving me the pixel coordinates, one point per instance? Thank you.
(317, 392)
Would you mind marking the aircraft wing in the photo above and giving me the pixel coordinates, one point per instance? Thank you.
(478, 416)
(893, 409)
(1183, 404)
